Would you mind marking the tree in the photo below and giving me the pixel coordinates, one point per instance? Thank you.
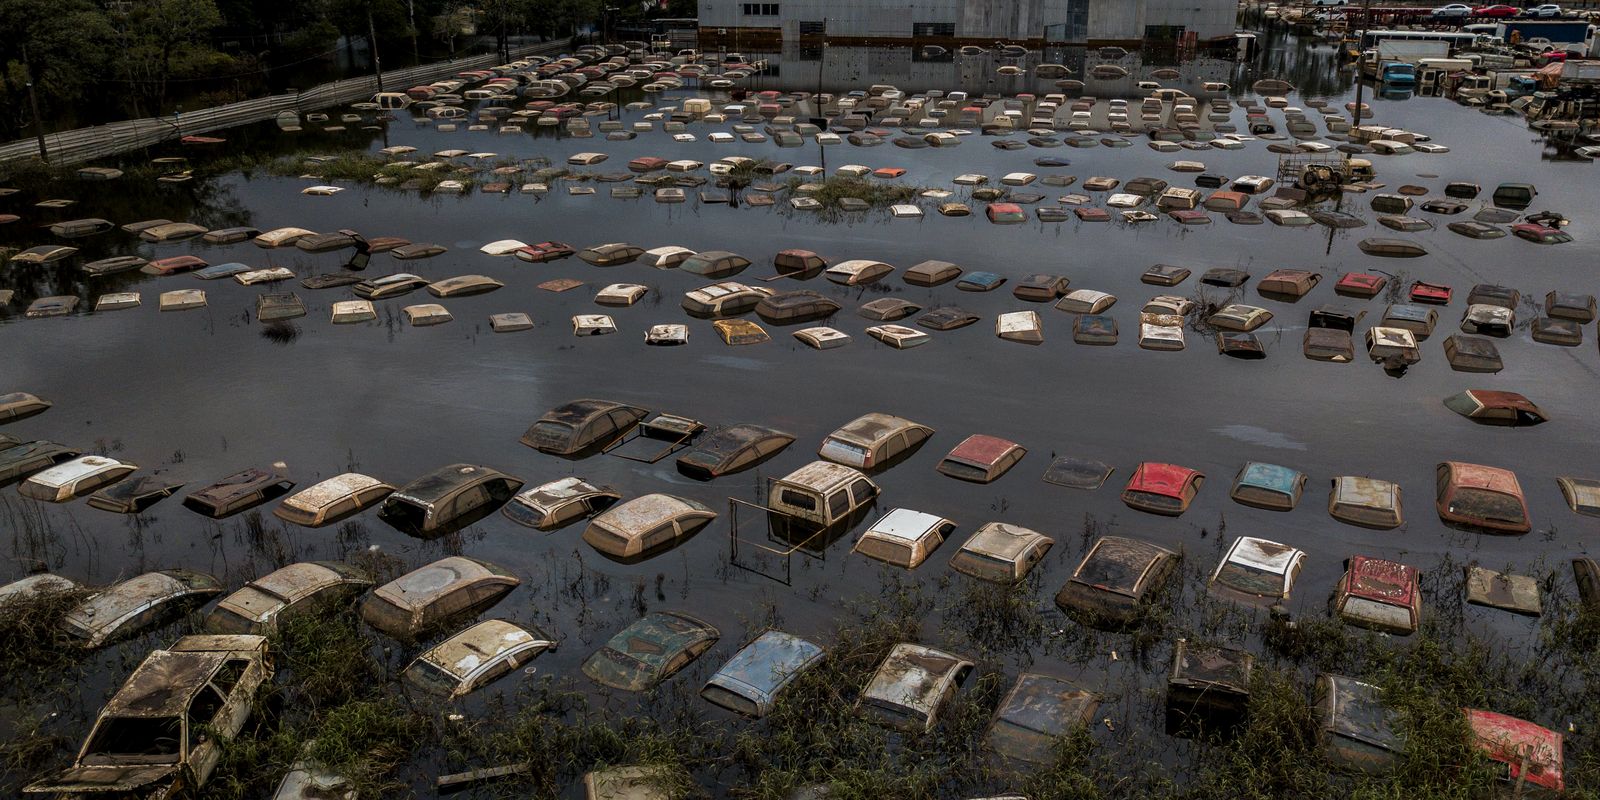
(59, 45)
(164, 39)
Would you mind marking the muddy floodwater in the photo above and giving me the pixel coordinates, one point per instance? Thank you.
(202, 393)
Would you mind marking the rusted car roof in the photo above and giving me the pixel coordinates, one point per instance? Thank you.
(1515, 742)
(642, 514)
(982, 450)
(869, 429)
(462, 654)
(1382, 581)
(1366, 492)
(822, 476)
(325, 493)
(240, 484)
(416, 589)
(297, 581)
(1002, 540)
(914, 677)
(1477, 476)
(163, 684)
(646, 647)
(430, 488)
(1039, 709)
(1118, 564)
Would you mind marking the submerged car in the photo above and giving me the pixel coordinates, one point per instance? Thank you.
(447, 498)
(580, 424)
(1001, 552)
(1257, 572)
(911, 686)
(1380, 595)
(164, 730)
(74, 478)
(750, 682)
(139, 602)
(821, 493)
(1479, 498)
(134, 495)
(1165, 489)
(1495, 408)
(432, 594)
(1268, 486)
(650, 650)
(239, 491)
(646, 525)
(298, 589)
(904, 538)
(25, 458)
(475, 657)
(872, 440)
(560, 502)
(1036, 714)
(329, 501)
(732, 449)
(1116, 580)
(981, 458)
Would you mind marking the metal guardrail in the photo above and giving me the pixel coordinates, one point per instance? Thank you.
(99, 141)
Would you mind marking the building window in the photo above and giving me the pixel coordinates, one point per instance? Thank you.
(1076, 28)
(813, 27)
(761, 9)
(1163, 33)
(926, 29)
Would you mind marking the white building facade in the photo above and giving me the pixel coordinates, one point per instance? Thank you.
(977, 21)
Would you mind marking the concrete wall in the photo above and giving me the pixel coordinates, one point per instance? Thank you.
(1121, 20)
(1108, 20)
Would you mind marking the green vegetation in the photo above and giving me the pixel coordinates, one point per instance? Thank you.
(336, 701)
(876, 193)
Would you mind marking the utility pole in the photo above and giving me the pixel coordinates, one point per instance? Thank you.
(33, 100)
(411, 12)
(372, 41)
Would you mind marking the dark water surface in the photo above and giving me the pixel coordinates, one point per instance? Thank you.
(200, 394)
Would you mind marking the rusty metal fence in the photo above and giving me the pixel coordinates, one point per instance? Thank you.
(99, 141)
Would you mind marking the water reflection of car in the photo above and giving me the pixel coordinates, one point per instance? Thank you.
(165, 729)
(1454, 10)
(1496, 11)
(1546, 11)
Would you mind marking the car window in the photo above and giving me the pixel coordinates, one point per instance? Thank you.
(228, 677)
(790, 497)
(659, 535)
(861, 491)
(839, 503)
(204, 707)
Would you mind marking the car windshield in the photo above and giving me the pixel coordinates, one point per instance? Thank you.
(1487, 505)
(139, 740)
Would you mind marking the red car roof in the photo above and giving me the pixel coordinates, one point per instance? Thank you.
(981, 449)
(1477, 476)
(1163, 479)
(1509, 740)
(1382, 581)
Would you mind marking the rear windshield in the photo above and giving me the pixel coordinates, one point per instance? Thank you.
(1256, 494)
(852, 453)
(983, 565)
(1159, 501)
(790, 497)
(731, 701)
(884, 550)
(550, 433)
(1250, 579)
(1362, 514)
(223, 620)
(957, 469)
(895, 715)
(1487, 505)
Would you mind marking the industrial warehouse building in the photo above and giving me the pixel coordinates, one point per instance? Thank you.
(1181, 22)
